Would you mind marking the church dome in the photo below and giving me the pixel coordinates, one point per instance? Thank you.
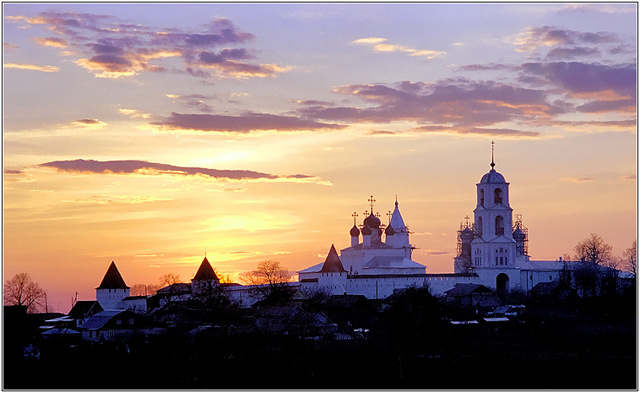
(389, 231)
(366, 230)
(492, 177)
(372, 221)
(354, 231)
(518, 235)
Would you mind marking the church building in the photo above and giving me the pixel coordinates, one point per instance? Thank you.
(492, 251)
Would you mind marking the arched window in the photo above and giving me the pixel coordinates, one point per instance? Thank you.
(482, 197)
(497, 196)
(499, 225)
(479, 228)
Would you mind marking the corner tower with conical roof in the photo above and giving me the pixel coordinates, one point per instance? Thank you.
(112, 289)
(205, 280)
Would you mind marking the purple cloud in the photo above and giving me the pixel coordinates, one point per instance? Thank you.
(244, 123)
(584, 77)
(461, 102)
(88, 121)
(144, 167)
(571, 53)
(549, 36)
(113, 49)
(487, 67)
(612, 88)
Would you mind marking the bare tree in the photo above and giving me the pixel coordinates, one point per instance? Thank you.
(593, 249)
(269, 278)
(21, 290)
(630, 258)
(143, 289)
(594, 254)
(169, 279)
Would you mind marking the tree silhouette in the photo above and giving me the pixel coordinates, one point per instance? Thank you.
(269, 279)
(594, 253)
(21, 290)
(593, 249)
(630, 258)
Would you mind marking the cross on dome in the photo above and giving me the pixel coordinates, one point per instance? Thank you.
(371, 201)
(355, 217)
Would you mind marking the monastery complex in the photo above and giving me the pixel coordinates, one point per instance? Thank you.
(491, 251)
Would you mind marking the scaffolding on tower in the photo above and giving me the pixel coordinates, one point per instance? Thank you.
(519, 225)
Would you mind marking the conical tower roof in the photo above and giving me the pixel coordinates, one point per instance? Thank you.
(112, 279)
(332, 264)
(205, 272)
(396, 219)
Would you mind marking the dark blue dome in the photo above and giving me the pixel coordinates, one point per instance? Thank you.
(492, 177)
(519, 235)
(372, 221)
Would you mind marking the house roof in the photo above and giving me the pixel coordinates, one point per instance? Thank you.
(312, 269)
(98, 320)
(60, 331)
(467, 289)
(112, 279)
(135, 298)
(332, 264)
(83, 308)
(205, 272)
(175, 289)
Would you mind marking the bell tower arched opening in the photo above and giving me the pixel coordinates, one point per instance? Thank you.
(497, 196)
(499, 225)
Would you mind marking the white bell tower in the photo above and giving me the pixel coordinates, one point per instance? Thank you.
(493, 246)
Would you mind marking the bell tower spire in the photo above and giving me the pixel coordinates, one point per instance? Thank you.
(493, 164)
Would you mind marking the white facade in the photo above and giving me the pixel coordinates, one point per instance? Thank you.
(111, 298)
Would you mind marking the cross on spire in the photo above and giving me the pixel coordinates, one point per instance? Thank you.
(492, 162)
(355, 216)
(389, 214)
(371, 201)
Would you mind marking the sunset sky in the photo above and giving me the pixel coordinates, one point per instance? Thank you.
(149, 134)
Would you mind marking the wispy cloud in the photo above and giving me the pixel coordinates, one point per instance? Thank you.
(88, 123)
(195, 101)
(151, 168)
(116, 200)
(134, 113)
(32, 67)
(506, 132)
(381, 45)
(241, 124)
(51, 41)
(579, 179)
